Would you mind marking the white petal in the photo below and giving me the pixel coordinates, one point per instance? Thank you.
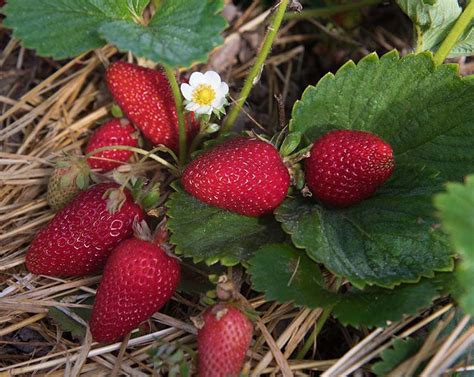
(218, 102)
(204, 110)
(213, 79)
(192, 106)
(187, 91)
(223, 90)
(196, 79)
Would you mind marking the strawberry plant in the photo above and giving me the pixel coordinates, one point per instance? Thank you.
(346, 208)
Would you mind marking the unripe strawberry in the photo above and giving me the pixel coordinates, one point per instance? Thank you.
(139, 278)
(145, 97)
(113, 132)
(223, 341)
(242, 175)
(78, 240)
(69, 177)
(346, 167)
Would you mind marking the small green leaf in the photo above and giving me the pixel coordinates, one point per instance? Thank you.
(432, 20)
(67, 324)
(182, 32)
(293, 276)
(425, 112)
(375, 306)
(137, 7)
(63, 28)
(457, 213)
(286, 274)
(402, 349)
(385, 240)
(116, 111)
(291, 142)
(465, 45)
(211, 234)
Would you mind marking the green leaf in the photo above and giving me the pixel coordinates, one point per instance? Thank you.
(64, 28)
(211, 234)
(182, 32)
(432, 20)
(137, 7)
(402, 349)
(465, 45)
(293, 276)
(68, 324)
(375, 306)
(456, 208)
(385, 240)
(424, 112)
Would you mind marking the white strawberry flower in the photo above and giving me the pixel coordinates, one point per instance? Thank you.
(205, 94)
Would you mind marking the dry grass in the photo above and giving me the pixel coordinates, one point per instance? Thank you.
(44, 117)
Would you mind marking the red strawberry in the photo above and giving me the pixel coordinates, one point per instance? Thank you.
(112, 132)
(139, 278)
(78, 240)
(346, 167)
(145, 97)
(241, 175)
(223, 341)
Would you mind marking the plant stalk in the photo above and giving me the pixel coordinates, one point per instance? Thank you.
(317, 329)
(257, 67)
(329, 11)
(178, 100)
(461, 24)
(136, 150)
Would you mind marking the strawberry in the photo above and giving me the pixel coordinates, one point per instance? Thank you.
(139, 278)
(223, 341)
(346, 167)
(69, 177)
(145, 97)
(78, 240)
(242, 175)
(113, 132)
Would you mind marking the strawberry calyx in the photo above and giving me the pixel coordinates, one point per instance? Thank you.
(115, 199)
(145, 193)
(142, 231)
(225, 289)
(74, 169)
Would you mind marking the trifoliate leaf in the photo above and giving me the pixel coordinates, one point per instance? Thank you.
(386, 240)
(457, 212)
(182, 32)
(424, 112)
(64, 28)
(211, 234)
(401, 350)
(286, 274)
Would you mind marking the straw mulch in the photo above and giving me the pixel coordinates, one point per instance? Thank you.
(48, 108)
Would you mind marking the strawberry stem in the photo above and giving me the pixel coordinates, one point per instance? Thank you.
(178, 100)
(461, 24)
(256, 70)
(317, 329)
(330, 11)
(149, 154)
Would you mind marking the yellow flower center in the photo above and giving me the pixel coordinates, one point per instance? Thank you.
(203, 95)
